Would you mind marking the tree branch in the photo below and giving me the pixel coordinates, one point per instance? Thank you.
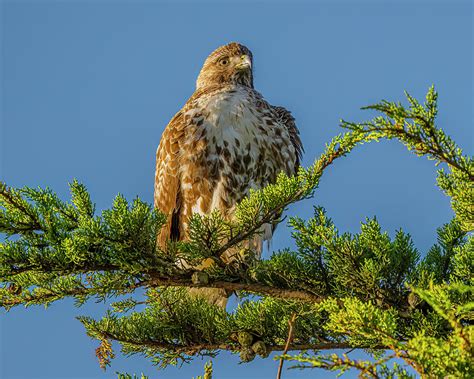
(193, 349)
(291, 324)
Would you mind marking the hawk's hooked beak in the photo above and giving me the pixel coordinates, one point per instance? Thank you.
(245, 63)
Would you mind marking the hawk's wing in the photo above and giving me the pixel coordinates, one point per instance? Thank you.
(285, 117)
(167, 196)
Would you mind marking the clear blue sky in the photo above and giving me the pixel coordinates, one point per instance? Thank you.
(88, 86)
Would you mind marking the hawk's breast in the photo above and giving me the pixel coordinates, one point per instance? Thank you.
(233, 143)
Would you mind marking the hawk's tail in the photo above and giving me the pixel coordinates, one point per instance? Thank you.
(216, 296)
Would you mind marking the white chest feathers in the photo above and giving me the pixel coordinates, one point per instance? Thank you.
(230, 116)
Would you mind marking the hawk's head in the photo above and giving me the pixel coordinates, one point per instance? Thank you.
(229, 64)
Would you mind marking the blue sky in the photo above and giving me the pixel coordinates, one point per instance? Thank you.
(88, 86)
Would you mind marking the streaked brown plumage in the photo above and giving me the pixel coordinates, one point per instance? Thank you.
(225, 140)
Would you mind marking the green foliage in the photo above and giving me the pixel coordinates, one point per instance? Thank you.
(439, 259)
(362, 323)
(463, 263)
(451, 356)
(457, 184)
(65, 250)
(378, 368)
(368, 264)
(189, 325)
(337, 290)
(128, 376)
(207, 371)
(415, 128)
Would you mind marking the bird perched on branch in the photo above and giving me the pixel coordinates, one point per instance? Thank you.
(225, 141)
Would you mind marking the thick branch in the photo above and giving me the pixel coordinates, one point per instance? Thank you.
(249, 287)
(193, 349)
(167, 282)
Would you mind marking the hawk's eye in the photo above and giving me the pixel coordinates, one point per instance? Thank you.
(224, 62)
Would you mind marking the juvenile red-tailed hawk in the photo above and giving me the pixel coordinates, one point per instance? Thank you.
(225, 140)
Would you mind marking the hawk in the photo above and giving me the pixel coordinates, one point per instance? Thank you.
(225, 141)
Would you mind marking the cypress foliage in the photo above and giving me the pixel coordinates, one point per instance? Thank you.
(337, 291)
